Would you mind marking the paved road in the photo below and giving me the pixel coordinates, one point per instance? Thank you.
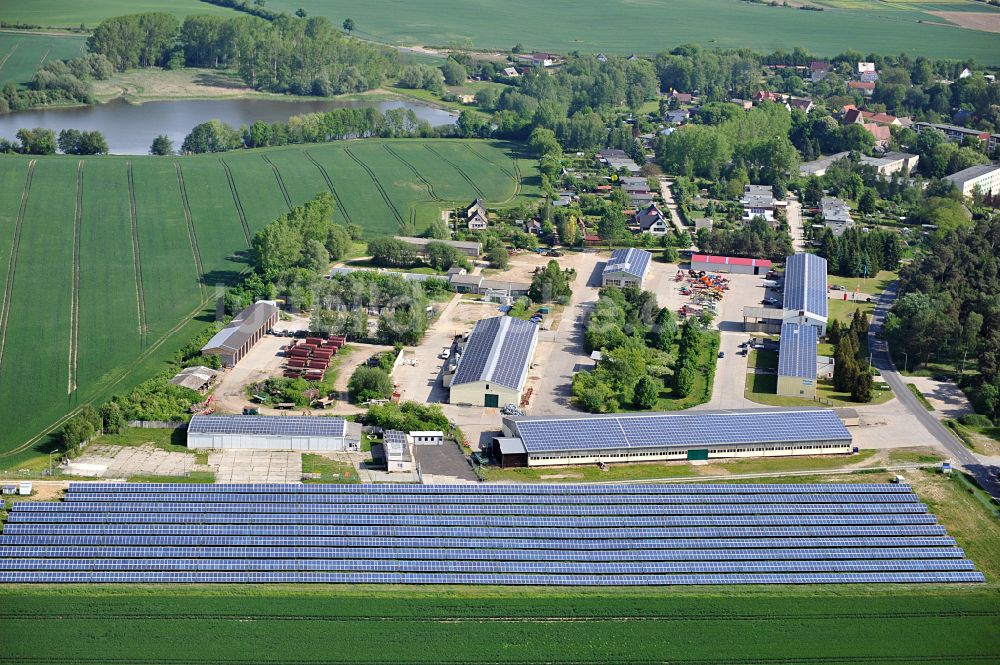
(795, 227)
(985, 475)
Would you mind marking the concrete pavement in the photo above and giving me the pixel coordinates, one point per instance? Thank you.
(984, 472)
(793, 211)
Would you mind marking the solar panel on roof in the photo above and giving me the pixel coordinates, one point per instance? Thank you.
(268, 425)
(805, 284)
(797, 351)
(498, 351)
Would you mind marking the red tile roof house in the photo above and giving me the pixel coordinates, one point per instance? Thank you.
(881, 118)
(866, 87)
(682, 97)
(818, 70)
(882, 134)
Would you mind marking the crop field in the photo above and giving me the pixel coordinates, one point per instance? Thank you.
(22, 52)
(107, 263)
(71, 13)
(504, 625)
(626, 26)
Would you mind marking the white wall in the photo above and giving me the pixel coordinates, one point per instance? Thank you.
(787, 450)
(250, 442)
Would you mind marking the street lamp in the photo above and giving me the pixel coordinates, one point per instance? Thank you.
(906, 359)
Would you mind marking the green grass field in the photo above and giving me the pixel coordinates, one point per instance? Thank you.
(21, 53)
(117, 257)
(626, 26)
(71, 13)
(502, 625)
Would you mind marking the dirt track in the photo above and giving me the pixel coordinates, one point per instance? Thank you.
(981, 21)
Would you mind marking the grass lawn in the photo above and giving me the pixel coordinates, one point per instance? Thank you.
(843, 310)
(870, 285)
(170, 440)
(192, 477)
(762, 388)
(682, 469)
(330, 470)
(920, 396)
(762, 359)
(899, 456)
(983, 440)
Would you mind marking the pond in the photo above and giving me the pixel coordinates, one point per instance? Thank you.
(130, 129)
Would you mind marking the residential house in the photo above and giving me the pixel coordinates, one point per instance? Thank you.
(601, 57)
(758, 201)
(633, 184)
(541, 59)
(651, 220)
(478, 222)
(564, 199)
(678, 116)
(866, 88)
(682, 97)
(475, 207)
(836, 215)
(882, 134)
(533, 226)
(765, 96)
(867, 72)
(801, 103)
(511, 72)
(818, 70)
(744, 104)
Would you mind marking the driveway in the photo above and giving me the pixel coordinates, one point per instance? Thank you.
(793, 212)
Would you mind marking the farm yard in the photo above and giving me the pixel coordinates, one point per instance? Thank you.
(108, 264)
(21, 53)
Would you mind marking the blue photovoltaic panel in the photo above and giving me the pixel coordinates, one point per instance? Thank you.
(498, 351)
(662, 430)
(268, 425)
(631, 261)
(805, 284)
(797, 352)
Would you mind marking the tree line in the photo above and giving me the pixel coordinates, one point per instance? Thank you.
(43, 141)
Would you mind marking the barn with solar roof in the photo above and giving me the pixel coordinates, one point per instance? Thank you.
(493, 365)
(273, 433)
(645, 437)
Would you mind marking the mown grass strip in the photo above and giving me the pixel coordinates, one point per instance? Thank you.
(912, 387)
(74, 311)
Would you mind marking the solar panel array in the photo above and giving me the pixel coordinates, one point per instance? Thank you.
(498, 351)
(797, 353)
(631, 260)
(805, 284)
(481, 534)
(268, 425)
(665, 430)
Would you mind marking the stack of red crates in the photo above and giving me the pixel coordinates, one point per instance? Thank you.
(311, 358)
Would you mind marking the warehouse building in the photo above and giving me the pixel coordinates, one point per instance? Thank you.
(729, 264)
(236, 339)
(797, 361)
(805, 291)
(984, 178)
(644, 437)
(626, 267)
(273, 433)
(493, 365)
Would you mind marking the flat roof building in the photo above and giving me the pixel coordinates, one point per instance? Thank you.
(836, 215)
(637, 437)
(398, 456)
(797, 361)
(626, 267)
(238, 337)
(729, 264)
(892, 162)
(273, 433)
(984, 178)
(493, 366)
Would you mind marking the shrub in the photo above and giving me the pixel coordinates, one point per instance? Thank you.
(975, 420)
(368, 383)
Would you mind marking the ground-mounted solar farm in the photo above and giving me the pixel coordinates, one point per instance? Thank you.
(108, 264)
(563, 535)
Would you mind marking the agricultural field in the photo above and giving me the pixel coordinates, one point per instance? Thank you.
(109, 264)
(290, 624)
(21, 53)
(73, 13)
(626, 26)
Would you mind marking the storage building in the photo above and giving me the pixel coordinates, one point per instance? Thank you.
(729, 264)
(797, 361)
(627, 267)
(398, 456)
(273, 433)
(805, 291)
(493, 366)
(643, 437)
(236, 339)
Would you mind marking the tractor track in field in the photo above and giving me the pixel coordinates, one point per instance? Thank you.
(460, 172)
(237, 203)
(413, 169)
(74, 306)
(12, 260)
(140, 291)
(124, 374)
(192, 235)
(329, 184)
(486, 159)
(378, 186)
(9, 53)
(41, 61)
(281, 181)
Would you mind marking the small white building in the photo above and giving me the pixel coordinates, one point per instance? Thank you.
(398, 455)
(426, 437)
(274, 433)
(627, 267)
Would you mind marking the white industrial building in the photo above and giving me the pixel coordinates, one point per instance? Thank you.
(626, 267)
(729, 264)
(644, 437)
(493, 362)
(805, 297)
(273, 433)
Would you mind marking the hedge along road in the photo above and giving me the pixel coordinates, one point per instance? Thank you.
(139, 275)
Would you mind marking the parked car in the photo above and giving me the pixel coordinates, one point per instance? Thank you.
(722, 354)
(770, 301)
(837, 287)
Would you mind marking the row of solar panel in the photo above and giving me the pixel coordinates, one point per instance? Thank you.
(473, 531)
(444, 554)
(533, 567)
(37, 577)
(153, 519)
(540, 489)
(513, 499)
(41, 510)
(476, 542)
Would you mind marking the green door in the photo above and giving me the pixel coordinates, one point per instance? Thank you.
(492, 400)
(698, 454)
